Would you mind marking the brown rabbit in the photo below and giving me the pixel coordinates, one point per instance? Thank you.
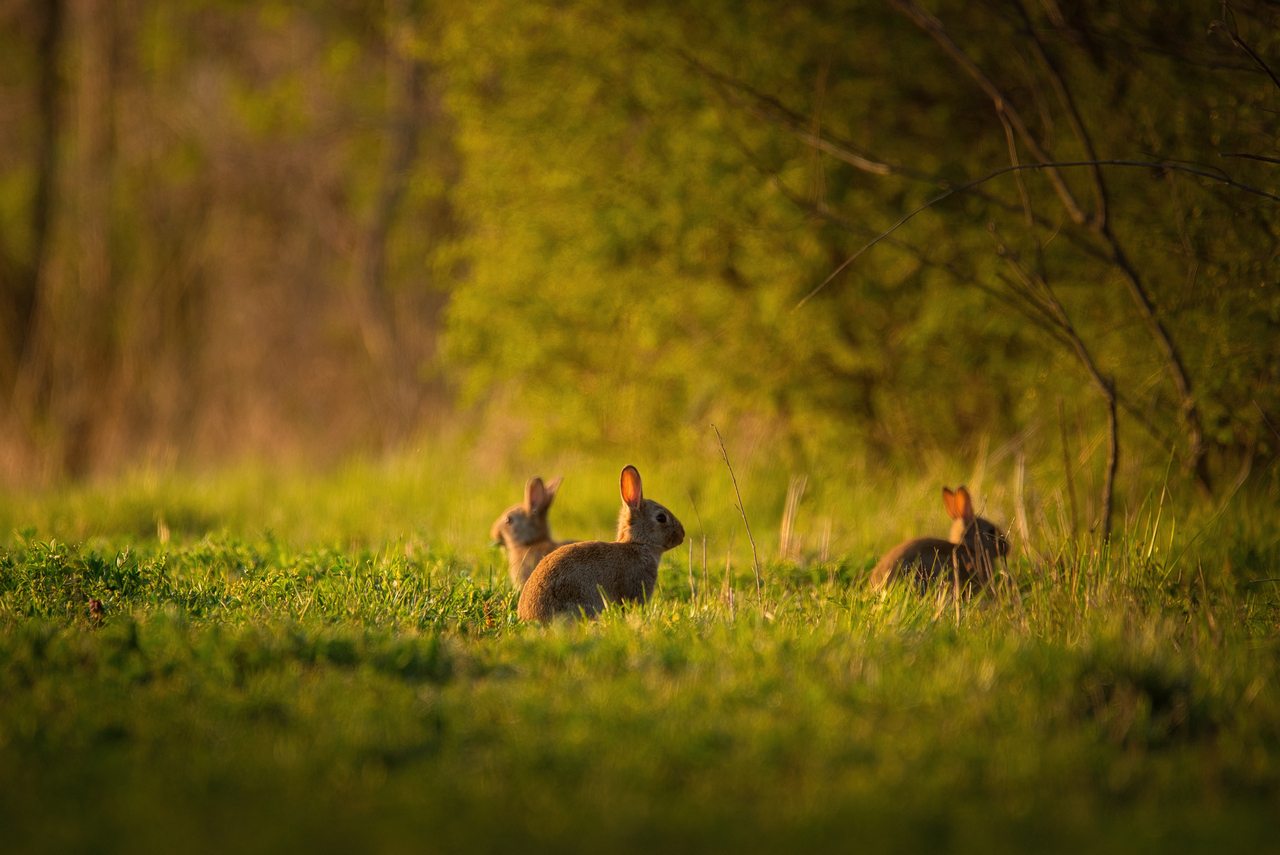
(586, 576)
(967, 558)
(524, 532)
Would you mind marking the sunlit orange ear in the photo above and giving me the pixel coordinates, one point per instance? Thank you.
(534, 494)
(965, 504)
(949, 499)
(632, 493)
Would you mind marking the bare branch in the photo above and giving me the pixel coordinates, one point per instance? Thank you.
(1039, 287)
(1097, 224)
(1013, 158)
(1238, 42)
(1266, 420)
(969, 185)
(1073, 118)
(769, 109)
(1003, 105)
(1173, 358)
(1250, 156)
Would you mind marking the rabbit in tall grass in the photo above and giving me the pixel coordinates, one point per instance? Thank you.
(524, 532)
(967, 559)
(587, 576)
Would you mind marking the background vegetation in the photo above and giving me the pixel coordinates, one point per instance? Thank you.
(293, 231)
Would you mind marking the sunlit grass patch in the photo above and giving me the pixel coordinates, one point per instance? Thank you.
(372, 688)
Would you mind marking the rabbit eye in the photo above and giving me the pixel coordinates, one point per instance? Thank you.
(661, 517)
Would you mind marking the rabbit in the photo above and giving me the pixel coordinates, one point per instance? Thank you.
(586, 576)
(966, 559)
(524, 532)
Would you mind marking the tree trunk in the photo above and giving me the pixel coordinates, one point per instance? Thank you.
(65, 368)
(19, 277)
(374, 301)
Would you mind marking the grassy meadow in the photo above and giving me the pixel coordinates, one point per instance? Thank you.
(293, 662)
(1040, 237)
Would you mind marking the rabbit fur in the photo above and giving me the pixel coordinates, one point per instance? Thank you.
(585, 577)
(524, 532)
(966, 560)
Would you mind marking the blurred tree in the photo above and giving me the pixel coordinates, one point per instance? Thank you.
(70, 350)
(34, 49)
(196, 218)
(411, 111)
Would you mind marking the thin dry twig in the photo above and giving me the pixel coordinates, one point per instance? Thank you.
(1099, 217)
(742, 510)
(703, 532)
(1266, 420)
(1013, 158)
(1263, 158)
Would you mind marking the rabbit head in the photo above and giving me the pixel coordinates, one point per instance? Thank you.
(521, 525)
(644, 521)
(978, 541)
(523, 529)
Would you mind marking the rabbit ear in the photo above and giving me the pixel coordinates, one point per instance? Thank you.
(534, 494)
(552, 486)
(949, 499)
(543, 496)
(632, 493)
(964, 505)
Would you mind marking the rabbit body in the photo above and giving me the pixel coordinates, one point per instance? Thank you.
(524, 532)
(588, 576)
(967, 559)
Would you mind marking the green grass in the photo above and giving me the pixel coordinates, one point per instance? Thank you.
(333, 664)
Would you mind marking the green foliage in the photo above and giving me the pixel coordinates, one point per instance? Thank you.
(646, 218)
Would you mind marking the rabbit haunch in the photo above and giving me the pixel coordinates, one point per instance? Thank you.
(524, 532)
(587, 576)
(966, 559)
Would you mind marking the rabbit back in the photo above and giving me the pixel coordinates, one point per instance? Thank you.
(586, 577)
(925, 560)
(967, 557)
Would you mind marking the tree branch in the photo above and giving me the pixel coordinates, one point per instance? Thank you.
(1073, 118)
(769, 109)
(1239, 42)
(969, 185)
(1039, 288)
(1003, 105)
(1097, 224)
